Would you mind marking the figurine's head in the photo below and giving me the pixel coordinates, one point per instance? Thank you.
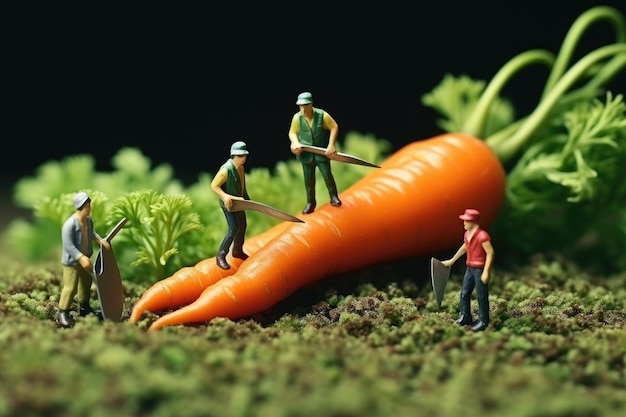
(470, 215)
(80, 199)
(239, 148)
(304, 98)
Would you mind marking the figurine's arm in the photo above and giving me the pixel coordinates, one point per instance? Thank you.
(331, 124)
(216, 185)
(99, 240)
(294, 129)
(460, 252)
(490, 255)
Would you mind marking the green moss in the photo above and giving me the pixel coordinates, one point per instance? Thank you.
(364, 344)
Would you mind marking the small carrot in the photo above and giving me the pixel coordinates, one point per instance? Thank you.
(407, 208)
(187, 284)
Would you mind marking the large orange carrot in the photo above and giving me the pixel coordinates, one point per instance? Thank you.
(187, 284)
(409, 207)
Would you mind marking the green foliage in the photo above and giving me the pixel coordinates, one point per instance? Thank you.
(580, 161)
(58, 209)
(169, 226)
(579, 164)
(54, 178)
(155, 224)
(49, 195)
(455, 98)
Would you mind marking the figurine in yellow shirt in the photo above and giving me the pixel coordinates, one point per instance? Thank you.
(313, 126)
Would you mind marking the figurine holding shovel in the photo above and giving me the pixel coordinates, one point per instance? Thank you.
(480, 254)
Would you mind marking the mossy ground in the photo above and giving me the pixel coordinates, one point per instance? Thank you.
(371, 343)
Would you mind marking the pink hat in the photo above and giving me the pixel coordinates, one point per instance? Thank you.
(470, 215)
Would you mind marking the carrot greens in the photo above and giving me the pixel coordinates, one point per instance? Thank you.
(565, 159)
(158, 221)
(169, 225)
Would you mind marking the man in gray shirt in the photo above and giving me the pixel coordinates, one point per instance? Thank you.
(78, 235)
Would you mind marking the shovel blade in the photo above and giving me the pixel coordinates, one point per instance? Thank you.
(439, 274)
(241, 205)
(109, 285)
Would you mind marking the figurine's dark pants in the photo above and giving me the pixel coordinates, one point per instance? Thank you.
(471, 280)
(309, 179)
(236, 232)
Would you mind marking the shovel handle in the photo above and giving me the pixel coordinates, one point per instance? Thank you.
(115, 230)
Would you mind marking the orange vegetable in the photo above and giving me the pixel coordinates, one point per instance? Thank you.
(409, 207)
(187, 284)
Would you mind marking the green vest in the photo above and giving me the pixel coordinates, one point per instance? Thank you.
(233, 184)
(315, 135)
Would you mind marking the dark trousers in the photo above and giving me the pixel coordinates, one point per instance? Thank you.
(309, 179)
(471, 280)
(236, 232)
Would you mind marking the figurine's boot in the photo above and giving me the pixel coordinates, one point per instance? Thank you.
(86, 309)
(238, 245)
(335, 201)
(240, 254)
(64, 319)
(220, 259)
(332, 191)
(309, 208)
(310, 201)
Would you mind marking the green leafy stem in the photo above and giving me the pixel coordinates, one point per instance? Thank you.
(158, 221)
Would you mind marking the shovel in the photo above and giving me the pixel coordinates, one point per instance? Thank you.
(106, 275)
(439, 274)
(241, 205)
(339, 156)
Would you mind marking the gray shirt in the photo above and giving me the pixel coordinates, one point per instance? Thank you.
(71, 235)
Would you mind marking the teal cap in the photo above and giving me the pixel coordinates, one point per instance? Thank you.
(304, 98)
(239, 148)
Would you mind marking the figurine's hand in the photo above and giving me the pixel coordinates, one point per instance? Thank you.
(228, 202)
(447, 262)
(331, 150)
(485, 277)
(106, 245)
(296, 149)
(85, 262)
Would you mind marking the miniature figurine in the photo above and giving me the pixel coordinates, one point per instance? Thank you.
(77, 236)
(314, 126)
(480, 254)
(230, 184)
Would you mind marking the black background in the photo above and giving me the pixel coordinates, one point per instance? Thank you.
(182, 80)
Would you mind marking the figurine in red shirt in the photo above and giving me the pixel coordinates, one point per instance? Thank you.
(480, 253)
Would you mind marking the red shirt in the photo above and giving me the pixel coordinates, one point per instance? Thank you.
(476, 255)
